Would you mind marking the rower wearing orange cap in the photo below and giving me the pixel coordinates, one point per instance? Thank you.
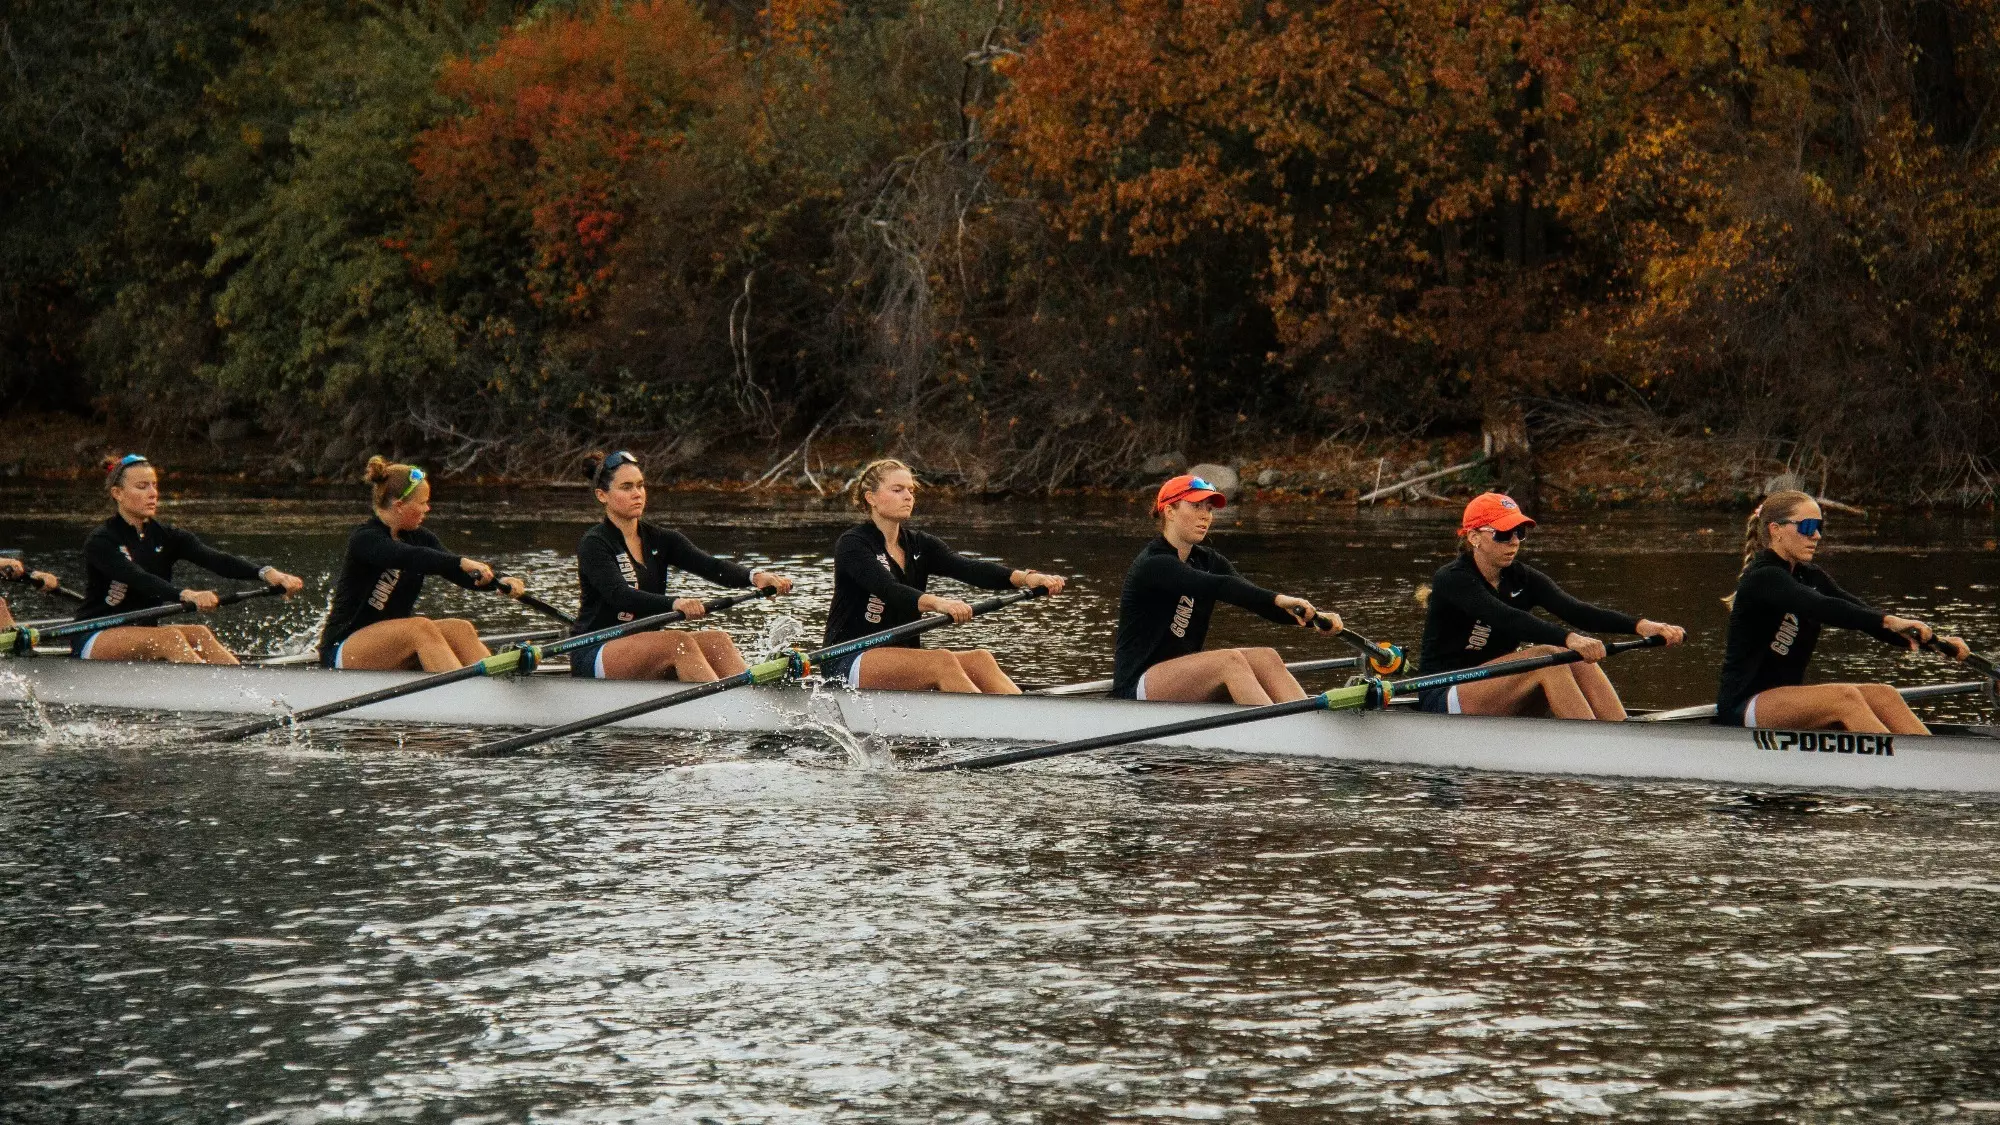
(1163, 613)
(1478, 614)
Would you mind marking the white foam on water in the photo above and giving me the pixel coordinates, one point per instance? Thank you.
(1874, 883)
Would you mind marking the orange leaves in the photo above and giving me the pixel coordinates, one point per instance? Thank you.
(567, 122)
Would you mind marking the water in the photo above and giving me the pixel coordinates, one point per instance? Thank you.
(727, 928)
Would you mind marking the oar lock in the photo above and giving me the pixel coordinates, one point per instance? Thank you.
(1390, 665)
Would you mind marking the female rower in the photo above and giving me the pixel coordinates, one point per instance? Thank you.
(1781, 601)
(623, 564)
(880, 571)
(129, 564)
(1164, 609)
(370, 626)
(14, 570)
(1478, 614)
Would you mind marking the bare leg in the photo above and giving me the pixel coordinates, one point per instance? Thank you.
(6, 615)
(984, 672)
(463, 639)
(1528, 693)
(914, 669)
(1892, 709)
(720, 652)
(1821, 707)
(1272, 675)
(204, 644)
(1206, 677)
(144, 642)
(1597, 691)
(667, 655)
(390, 645)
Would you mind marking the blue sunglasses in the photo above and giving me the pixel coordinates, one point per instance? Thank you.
(416, 478)
(1807, 527)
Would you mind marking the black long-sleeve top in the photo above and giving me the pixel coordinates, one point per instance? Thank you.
(1774, 626)
(871, 593)
(1470, 622)
(128, 568)
(1163, 610)
(618, 588)
(381, 577)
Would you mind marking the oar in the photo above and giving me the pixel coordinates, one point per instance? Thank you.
(1374, 694)
(537, 604)
(1296, 668)
(523, 658)
(1984, 665)
(764, 673)
(1383, 660)
(28, 576)
(23, 638)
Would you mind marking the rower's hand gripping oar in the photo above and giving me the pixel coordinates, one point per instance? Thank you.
(1374, 694)
(1383, 660)
(28, 577)
(24, 638)
(796, 664)
(522, 658)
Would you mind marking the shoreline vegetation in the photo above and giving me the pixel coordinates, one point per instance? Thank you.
(1642, 251)
(1608, 470)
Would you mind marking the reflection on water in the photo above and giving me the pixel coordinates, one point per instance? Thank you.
(688, 928)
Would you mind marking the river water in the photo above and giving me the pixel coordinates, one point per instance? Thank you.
(734, 929)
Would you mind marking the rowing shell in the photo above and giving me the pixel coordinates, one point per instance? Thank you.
(1946, 762)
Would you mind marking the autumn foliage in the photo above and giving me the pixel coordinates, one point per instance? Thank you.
(1034, 244)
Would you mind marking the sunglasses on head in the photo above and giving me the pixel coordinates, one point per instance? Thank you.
(117, 472)
(416, 478)
(614, 463)
(1807, 527)
(1194, 485)
(1516, 534)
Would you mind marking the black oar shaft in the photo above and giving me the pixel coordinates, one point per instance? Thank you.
(1339, 698)
(766, 672)
(131, 617)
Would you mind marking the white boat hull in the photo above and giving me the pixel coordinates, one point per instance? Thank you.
(1691, 752)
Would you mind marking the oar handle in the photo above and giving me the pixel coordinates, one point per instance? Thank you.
(27, 577)
(140, 616)
(915, 628)
(1383, 660)
(530, 600)
(1984, 665)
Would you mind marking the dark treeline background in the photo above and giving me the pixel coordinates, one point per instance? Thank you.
(1032, 245)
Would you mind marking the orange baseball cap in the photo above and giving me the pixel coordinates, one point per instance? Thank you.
(1187, 487)
(1495, 510)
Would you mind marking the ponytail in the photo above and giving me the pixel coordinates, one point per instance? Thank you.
(1776, 508)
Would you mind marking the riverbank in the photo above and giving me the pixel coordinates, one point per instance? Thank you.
(1605, 468)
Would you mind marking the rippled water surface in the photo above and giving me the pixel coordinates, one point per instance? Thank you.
(684, 928)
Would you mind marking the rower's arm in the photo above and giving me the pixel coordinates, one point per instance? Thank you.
(597, 569)
(1465, 591)
(681, 552)
(1835, 607)
(973, 572)
(1573, 610)
(854, 560)
(1167, 574)
(378, 550)
(187, 545)
(103, 555)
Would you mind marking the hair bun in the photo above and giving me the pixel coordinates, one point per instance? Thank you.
(592, 461)
(377, 470)
(110, 462)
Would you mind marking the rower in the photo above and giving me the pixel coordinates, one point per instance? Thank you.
(129, 564)
(1477, 613)
(880, 571)
(14, 570)
(622, 565)
(1781, 602)
(1169, 594)
(371, 626)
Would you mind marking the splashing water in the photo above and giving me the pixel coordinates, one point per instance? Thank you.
(17, 685)
(781, 635)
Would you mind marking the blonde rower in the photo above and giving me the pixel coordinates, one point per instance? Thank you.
(372, 625)
(1781, 602)
(881, 571)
